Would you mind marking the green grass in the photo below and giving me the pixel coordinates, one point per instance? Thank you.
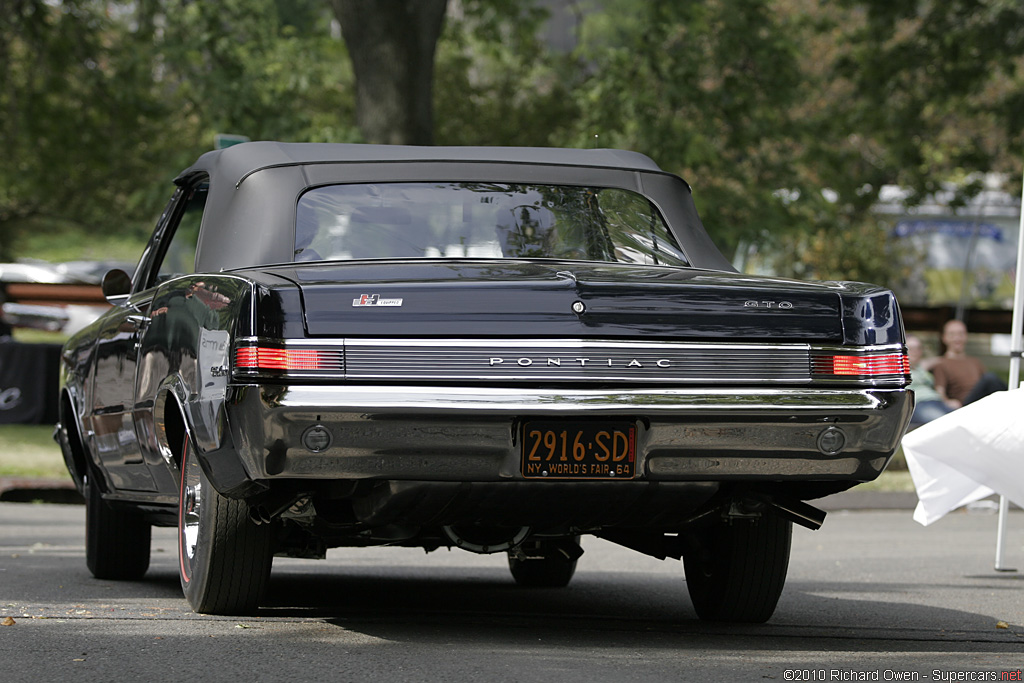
(30, 451)
(896, 476)
(58, 242)
(29, 336)
(890, 480)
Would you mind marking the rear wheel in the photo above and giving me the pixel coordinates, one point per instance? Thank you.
(545, 564)
(741, 570)
(224, 559)
(116, 540)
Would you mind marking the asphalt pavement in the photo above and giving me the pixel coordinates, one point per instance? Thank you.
(872, 595)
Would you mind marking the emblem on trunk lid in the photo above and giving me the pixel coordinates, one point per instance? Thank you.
(375, 300)
(784, 305)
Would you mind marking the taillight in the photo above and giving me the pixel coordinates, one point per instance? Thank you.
(861, 366)
(275, 360)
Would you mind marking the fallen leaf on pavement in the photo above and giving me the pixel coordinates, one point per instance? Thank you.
(1002, 624)
(8, 621)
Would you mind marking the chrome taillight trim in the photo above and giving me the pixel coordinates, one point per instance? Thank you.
(571, 360)
(897, 353)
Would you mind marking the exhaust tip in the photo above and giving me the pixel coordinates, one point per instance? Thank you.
(259, 515)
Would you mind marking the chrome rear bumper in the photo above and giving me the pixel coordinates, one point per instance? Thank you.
(470, 434)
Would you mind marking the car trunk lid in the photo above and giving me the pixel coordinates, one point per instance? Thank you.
(519, 299)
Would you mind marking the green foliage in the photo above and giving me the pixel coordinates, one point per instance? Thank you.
(836, 249)
(79, 243)
(496, 83)
(104, 102)
(707, 89)
(786, 116)
(78, 118)
(933, 87)
(262, 68)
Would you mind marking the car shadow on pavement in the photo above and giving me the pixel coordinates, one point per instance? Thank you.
(398, 607)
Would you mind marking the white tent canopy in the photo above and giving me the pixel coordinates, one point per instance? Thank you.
(968, 455)
(977, 450)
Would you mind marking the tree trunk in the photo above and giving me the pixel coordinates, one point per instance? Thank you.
(391, 44)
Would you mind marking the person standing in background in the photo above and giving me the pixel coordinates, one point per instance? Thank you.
(961, 379)
(928, 404)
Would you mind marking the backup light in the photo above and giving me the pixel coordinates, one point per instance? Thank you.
(831, 441)
(316, 438)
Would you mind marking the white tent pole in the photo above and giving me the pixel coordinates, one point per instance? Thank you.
(1004, 506)
(1016, 347)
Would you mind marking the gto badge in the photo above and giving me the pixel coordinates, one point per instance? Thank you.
(375, 300)
(785, 305)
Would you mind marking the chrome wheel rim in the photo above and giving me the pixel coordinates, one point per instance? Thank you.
(189, 507)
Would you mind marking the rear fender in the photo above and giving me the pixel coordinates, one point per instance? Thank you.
(68, 435)
(176, 420)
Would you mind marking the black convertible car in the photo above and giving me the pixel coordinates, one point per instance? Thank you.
(493, 349)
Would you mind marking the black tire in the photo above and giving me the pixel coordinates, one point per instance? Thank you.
(117, 541)
(544, 564)
(224, 558)
(742, 572)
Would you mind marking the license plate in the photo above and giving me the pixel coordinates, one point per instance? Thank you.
(578, 450)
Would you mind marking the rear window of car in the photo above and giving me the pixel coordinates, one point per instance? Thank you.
(482, 220)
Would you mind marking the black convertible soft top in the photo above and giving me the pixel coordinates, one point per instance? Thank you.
(240, 161)
(249, 218)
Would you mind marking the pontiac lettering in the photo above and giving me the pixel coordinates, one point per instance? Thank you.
(526, 362)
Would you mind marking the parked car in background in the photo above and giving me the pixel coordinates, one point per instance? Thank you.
(56, 297)
(493, 349)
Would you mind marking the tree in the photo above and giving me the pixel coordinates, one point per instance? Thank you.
(104, 101)
(79, 120)
(391, 44)
(916, 94)
(498, 82)
(788, 116)
(935, 88)
(268, 69)
(709, 90)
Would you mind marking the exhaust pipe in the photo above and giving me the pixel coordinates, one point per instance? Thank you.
(268, 510)
(797, 511)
